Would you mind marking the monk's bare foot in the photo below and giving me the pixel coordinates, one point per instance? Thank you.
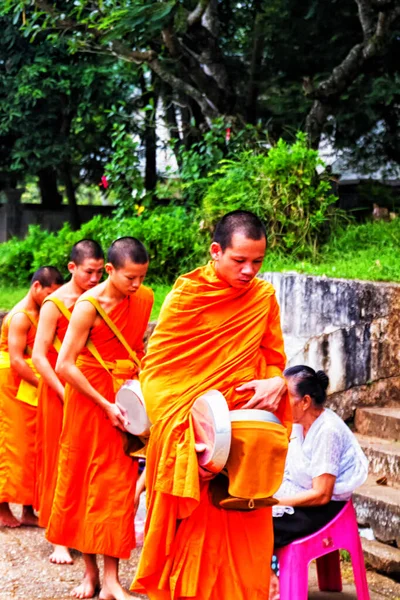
(88, 588)
(113, 591)
(29, 519)
(61, 556)
(274, 587)
(7, 519)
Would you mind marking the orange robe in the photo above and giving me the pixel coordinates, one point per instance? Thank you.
(93, 508)
(48, 431)
(209, 336)
(17, 431)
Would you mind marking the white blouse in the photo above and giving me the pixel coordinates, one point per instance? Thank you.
(329, 447)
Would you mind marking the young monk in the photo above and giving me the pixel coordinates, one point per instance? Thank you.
(219, 328)
(18, 406)
(93, 509)
(86, 267)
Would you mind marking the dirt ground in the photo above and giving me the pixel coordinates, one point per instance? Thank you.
(26, 573)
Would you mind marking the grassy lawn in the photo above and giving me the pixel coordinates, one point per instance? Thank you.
(9, 297)
(369, 251)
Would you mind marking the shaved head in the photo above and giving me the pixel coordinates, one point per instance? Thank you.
(47, 276)
(238, 221)
(127, 249)
(86, 249)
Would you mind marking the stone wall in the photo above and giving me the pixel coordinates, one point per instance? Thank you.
(348, 328)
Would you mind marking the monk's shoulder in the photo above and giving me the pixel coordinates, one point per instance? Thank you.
(95, 292)
(264, 288)
(145, 294)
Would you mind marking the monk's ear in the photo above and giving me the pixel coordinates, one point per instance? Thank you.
(215, 250)
(71, 266)
(108, 267)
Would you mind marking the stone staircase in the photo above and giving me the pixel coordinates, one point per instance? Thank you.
(378, 504)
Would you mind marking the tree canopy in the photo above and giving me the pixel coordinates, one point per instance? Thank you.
(324, 67)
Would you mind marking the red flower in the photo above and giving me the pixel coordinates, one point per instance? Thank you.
(103, 183)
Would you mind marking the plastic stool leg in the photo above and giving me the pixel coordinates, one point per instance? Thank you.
(360, 575)
(293, 580)
(328, 570)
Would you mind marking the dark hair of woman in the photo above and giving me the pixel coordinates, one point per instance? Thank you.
(309, 383)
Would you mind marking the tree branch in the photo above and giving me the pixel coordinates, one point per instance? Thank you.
(206, 105)
(203, 96)
(376, 30)
(197, 14)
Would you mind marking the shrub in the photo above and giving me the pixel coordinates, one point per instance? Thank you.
(282, 187)
(171, 237)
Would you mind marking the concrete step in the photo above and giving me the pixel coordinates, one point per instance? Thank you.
(382, 558)
(379, 422)
(378, 507)
(383, 456)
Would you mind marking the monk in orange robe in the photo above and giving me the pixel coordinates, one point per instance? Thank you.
(219, 328)
(86, 267)
(93, 508)
(18, 400)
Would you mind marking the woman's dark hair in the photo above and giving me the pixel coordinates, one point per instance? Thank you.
(309, 382)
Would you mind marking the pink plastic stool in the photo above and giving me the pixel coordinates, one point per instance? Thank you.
(324, 545)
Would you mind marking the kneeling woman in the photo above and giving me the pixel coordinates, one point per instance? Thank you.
(324, 465)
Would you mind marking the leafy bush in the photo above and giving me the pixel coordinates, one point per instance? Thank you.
(171, 237)
(17, 256)
(224, 139)
(282, 188)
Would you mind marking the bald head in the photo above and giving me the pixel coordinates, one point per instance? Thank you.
(127, 249)
(238, 221)
(47, 277)
(86, 249)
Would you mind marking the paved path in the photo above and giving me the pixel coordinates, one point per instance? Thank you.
(26, 574)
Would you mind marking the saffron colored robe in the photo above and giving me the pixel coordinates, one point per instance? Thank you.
(93, 508)
(17, 429)
(48, 432)
(209, 336)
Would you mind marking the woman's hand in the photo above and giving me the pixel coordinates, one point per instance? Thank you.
(117, 415)
(267, 393)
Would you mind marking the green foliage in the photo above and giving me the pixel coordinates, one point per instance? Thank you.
(282, 188)
(171, 238)
(17, 256)
(123, 172)
(224, 139)
(56, 109)
(363, 251)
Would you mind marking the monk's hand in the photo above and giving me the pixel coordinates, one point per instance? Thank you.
(267, 393)
(117, 416)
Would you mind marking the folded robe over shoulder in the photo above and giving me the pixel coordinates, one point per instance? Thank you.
(48, 431)
(93, 508)
(209, 336)
(17, 429)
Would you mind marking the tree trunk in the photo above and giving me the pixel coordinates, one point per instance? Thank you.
(149, 138)
(51, 197)
(70, 191)
(171, 121)
(253, 89)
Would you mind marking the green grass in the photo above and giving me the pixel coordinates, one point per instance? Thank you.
(369, 251)
(10, 297)
(160, 291)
